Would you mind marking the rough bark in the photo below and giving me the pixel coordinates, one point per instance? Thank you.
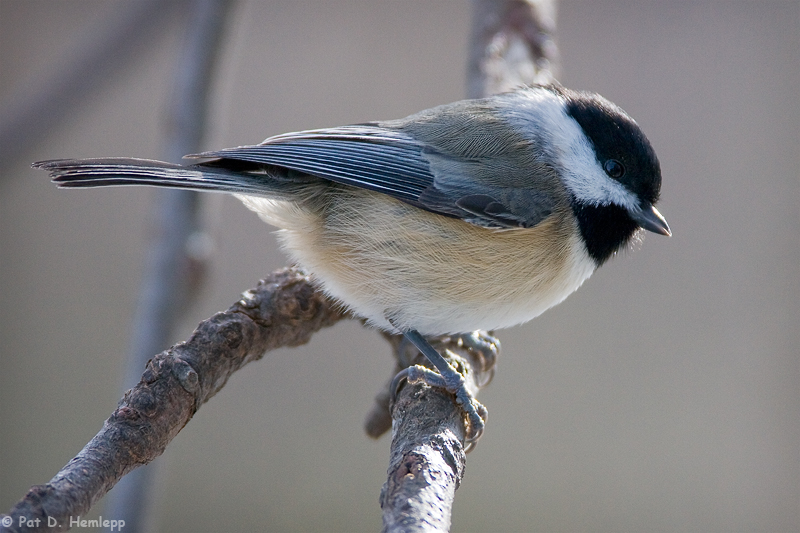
(283, 310)
(428, 456)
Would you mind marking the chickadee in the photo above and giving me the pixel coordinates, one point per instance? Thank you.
(480, 214)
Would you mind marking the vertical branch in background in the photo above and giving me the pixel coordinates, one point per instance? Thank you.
(511, 44)
(176, 261)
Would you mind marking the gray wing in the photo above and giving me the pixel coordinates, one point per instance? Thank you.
(363, 156)
(428, 174)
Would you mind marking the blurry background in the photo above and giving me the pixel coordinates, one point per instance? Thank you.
(664, 395)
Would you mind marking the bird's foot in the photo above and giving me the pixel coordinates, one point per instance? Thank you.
(484, 347)
(451, 378)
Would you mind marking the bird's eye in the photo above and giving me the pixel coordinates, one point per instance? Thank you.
(614, 168)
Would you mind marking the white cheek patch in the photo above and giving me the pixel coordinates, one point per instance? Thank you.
(586, 179)
(540, 110)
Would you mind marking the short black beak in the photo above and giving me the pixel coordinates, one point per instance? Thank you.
(650, 219)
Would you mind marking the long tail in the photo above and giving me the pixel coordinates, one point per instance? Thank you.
(75, 173)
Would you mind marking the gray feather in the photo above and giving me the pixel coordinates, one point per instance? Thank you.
(432, 160)
(78, 173)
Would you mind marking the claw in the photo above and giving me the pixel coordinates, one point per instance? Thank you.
(485, 347)
(394, 388)
(415, 374)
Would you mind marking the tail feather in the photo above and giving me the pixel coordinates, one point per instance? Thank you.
(76, 173)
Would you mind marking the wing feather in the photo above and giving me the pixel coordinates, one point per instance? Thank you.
(426, 174)
(362, 156)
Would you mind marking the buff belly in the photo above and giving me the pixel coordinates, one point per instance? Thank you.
(394, 264)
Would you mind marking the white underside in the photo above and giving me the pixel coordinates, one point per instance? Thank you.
(388, 261)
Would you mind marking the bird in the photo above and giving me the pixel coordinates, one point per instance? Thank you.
(475, 215)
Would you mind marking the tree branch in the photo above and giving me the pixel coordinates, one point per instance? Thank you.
(511, 45)
(428, 458)
(283, 310)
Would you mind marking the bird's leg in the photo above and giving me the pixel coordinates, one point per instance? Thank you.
(449, 379)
